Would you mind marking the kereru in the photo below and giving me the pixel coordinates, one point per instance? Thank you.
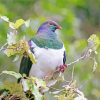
(49, 52)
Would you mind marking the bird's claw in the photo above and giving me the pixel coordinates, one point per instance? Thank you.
(61, 68)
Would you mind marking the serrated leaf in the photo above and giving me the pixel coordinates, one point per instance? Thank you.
(18, 23)
(12, 73)
(5, 18)
(93, 42)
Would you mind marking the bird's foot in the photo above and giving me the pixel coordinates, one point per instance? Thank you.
(61, 68)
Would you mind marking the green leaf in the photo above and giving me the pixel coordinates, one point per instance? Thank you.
(11, 38)
(33, 84)
(11, 25)
(5, 18)
(61, 97)
(16, 58)
(27, 23)
(32, 57)
(39, 82)
(18, 23)
(12, 73)
(37, 94)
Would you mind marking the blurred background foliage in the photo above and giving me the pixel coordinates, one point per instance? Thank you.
(78, 18)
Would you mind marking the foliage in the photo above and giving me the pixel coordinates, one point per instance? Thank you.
(94, 42)
(79, 19)
(14, 46)
(35, 86)
(30, 84)
(9, 90)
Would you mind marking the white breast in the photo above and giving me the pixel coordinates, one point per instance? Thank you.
(47, 61)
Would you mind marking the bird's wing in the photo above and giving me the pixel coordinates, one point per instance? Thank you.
(26, 63)
(64, 58)
(25, 66)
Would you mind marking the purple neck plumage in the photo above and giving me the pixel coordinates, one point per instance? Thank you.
(43, 28)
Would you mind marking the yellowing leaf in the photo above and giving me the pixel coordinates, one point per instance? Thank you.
(18, 23)
(28, 51)
(31, 55)
(20, 48)
(62, 97)
(14, 49)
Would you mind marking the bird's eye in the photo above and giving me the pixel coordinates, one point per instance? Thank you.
(52, 24)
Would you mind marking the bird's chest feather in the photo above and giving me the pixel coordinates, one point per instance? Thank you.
(47, 61)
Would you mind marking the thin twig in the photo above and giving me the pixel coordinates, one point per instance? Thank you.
(76, 60)
(73, 73)
(86, 54)
(3, 47)
(0, 74)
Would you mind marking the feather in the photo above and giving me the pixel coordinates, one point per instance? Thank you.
(64, 58)
(25, 66)
(48, 50)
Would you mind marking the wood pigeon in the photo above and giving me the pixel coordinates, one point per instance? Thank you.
(49, 52)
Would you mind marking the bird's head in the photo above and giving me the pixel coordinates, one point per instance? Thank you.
(49, 25)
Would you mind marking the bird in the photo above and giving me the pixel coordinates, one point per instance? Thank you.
(48, 50)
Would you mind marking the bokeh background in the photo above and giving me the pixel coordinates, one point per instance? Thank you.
(78, 18)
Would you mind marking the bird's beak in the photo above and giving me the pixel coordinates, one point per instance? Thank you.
(59, 27)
